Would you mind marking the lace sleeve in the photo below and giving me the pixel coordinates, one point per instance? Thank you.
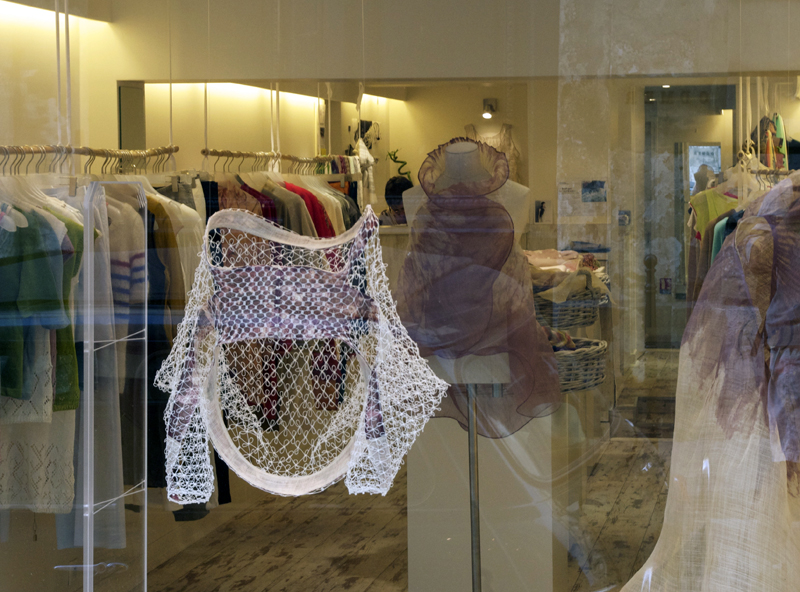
(409, 393)
(184, 375)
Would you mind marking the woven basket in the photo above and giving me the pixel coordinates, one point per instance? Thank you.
(584, 367)
(607, 281)
(580, 309)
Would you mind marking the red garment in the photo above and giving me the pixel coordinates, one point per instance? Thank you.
(268, 209)
(322, 224)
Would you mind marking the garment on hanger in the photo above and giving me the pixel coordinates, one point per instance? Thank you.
(793, 154)
(182, 193)
(780, 135)
(333, 202)
(36, 440)
(322, 290)
(692, 264)
(723, 229)
(296, 215)
(708, 205)
(364, 165)
(36, 403)
(502, 142)
(128, 271)
(232, 196)
(211, 197)
(109, 523)
(319, 216)
(734, 495)
(465, 289)
(165, 302)
(704, 256)
(268, 206)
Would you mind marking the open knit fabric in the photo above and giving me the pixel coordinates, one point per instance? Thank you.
(292, 358)
(732, 519)
(465, 290)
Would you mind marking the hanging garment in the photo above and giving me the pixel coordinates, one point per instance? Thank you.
(465, 289)
(295, 213)
(780, 134)
(364, 165)
(309, 292)
(733, 507)
(708, 205)
(319, 216)
(503, 143)
(722, 230)
(36, 444)
(704, 255)
(109, 522)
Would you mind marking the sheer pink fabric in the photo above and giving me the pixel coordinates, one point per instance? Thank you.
(751, 312)
(465, 289)
(732, 517)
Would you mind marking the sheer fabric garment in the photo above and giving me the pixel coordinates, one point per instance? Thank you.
(465, 289)
(331, 384)
(732, 519)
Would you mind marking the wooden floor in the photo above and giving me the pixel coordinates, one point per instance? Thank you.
(621, 517)
(647, 399)
(334, 541)
(324, 542)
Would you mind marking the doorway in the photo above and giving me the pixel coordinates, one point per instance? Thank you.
(686, 128)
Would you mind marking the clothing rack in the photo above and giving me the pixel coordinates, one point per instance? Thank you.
(268, 157)
(60, 153)
(774, 172)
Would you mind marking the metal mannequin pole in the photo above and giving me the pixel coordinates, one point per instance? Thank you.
(474, 504)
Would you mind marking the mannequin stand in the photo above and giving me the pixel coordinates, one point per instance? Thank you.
(474, 490)
(473, 371)
(474, 500)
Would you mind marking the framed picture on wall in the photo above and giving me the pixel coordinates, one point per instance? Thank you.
(543, 212)
(594, 192)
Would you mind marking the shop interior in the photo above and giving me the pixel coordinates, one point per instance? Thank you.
(575, 500)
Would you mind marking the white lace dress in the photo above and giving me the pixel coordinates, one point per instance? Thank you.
(732, 519)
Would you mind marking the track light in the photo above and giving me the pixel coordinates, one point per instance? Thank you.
(489, 108)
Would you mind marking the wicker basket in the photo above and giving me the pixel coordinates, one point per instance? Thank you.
(607, 281)
(584, 367)
(580, 309)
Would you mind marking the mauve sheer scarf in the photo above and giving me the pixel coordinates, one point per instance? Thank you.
(465, 289)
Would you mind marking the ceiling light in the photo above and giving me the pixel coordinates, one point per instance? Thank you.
(665, 86)
(489, 108)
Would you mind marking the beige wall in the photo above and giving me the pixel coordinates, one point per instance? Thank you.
(238, 119)
(28, 89)
(435, 114)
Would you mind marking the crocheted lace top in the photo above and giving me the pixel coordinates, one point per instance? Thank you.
(292, 358)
